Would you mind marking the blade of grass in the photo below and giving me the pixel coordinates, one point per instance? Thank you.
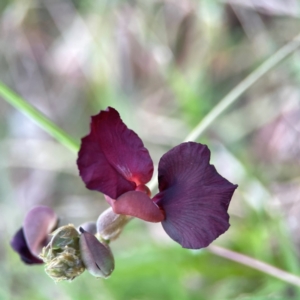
(39, 118)
(243, 86)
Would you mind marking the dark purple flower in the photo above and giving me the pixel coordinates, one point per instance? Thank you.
(33, 236)
(193, 198)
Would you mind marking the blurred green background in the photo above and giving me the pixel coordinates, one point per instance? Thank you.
(163, 64)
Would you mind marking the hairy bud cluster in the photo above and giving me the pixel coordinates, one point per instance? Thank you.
(62, 254)
(71, 251)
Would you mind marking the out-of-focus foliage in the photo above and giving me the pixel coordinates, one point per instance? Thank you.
(164, 65)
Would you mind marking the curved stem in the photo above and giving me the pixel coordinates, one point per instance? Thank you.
(39, 118)
(255, 264)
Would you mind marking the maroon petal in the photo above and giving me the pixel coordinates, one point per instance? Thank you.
(18, 243)
(112, 158)
(138, 204)
(194, 197)
(38, 223)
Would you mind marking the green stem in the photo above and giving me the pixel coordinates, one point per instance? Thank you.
(39, 118)
(243, 86)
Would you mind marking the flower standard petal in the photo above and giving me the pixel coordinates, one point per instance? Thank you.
(18, 243)
(194, 197)
(112, 158)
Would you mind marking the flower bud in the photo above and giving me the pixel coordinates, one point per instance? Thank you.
(65, 236)
(65, 265)
(62, 254)
(110, 225)
(97, 257)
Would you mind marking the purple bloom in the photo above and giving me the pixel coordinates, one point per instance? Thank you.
(33, 236)
(193, 198)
